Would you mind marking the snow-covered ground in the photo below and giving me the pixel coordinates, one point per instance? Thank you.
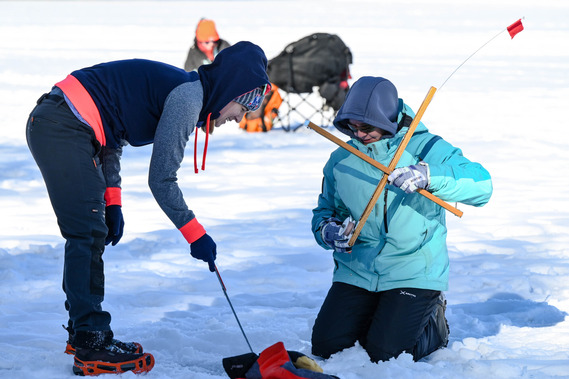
(509, 284)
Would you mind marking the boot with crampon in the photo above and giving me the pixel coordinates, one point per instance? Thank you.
(97, 352)
(131, 347)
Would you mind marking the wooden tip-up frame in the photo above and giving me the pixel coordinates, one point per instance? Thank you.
(387, 169)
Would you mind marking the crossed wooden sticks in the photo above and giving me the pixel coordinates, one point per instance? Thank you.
(387, 170)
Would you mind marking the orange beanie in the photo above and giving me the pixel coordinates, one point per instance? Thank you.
(206, 31)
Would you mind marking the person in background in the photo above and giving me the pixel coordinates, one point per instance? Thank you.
(387, 288)
(207, 45)
(76, 134)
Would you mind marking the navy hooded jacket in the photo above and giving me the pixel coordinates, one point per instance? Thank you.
(130, 94)
(142, 102)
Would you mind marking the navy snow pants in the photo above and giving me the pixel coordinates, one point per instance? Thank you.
(66, 151)
(385, 323)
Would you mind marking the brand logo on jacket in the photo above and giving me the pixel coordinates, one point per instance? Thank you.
(405, 293)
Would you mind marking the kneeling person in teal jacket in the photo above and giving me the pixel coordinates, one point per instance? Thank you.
(387, 288)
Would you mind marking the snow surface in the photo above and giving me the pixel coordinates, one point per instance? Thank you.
(509, 282)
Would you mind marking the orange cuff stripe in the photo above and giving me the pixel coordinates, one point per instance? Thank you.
(84, 104)
(192, 231)
(113, 196)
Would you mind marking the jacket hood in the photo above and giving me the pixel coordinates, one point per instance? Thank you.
(372, 100)
(236, 70)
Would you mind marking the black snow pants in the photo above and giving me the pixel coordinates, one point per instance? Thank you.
(385, 323)
(66, 151)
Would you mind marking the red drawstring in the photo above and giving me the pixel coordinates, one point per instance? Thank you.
(196, 151)
(205, 147)
(206, 141)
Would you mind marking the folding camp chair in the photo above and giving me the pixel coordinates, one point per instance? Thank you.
(296, 108)
(311, 74)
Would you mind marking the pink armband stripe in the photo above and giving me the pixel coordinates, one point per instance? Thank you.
(192, 231)
(82, 101)
(113, 196)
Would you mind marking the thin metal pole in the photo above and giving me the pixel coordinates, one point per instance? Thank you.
(471, 55)
(231, 305)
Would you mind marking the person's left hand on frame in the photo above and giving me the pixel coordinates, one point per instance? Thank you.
(115, 222)
(332, 232)
(411, 178)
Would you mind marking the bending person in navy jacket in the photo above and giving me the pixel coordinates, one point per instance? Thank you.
(76, 134)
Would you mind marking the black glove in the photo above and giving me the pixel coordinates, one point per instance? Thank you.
(115, 223)
(205, 249)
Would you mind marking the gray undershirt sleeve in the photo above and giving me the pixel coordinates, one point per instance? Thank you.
(110, 163)
(177, 123)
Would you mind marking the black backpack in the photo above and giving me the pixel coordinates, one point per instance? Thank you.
(318, 60)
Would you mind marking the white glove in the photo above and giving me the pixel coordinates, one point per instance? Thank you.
(411, 178)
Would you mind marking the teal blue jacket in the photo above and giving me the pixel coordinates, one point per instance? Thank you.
(403, 242)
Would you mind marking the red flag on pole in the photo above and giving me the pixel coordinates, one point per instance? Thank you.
(515, 28)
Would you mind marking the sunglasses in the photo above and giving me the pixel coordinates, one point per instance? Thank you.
(364, 128)
(207, 42)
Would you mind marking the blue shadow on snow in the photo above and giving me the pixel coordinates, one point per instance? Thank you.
(485, 319)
